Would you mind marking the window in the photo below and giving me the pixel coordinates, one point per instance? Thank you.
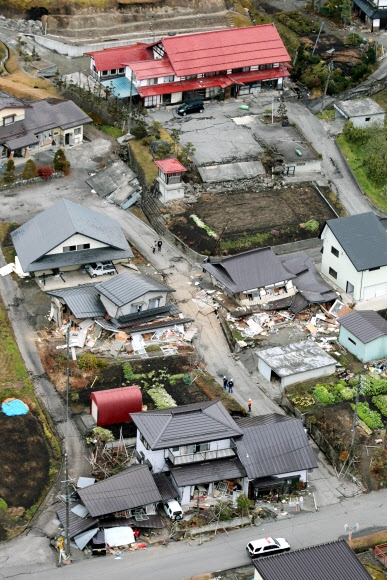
(8, 120)
(104, 73)
(83, 247)
(175, 449)
(113, 71)
(152, 81)
(121, 70)
(169, 79)
(372, 269)
(367, 119)
(350, 340)
(334, 251)
(333, 273)
(69, 248)
(78, 131)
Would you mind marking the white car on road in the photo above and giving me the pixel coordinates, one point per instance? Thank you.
(266, 547)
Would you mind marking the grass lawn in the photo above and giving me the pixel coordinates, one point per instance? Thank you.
(144, 158)
(381, 99)
(355, 156)
(112, 131)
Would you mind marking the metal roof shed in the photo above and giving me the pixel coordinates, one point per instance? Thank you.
(295, 363)
(115, 405)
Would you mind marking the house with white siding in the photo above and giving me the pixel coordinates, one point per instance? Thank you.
(355, 255)
(364, 334)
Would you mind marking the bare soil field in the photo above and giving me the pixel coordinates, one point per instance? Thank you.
(253, 219)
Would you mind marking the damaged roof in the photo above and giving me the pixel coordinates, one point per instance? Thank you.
(110, 178)
(248, 271)
(165, 487)
(359, 108)
(83, 301)
(207, 472)
(134, 487)
(128, 286)
(50, 228)
(323, 562)
(273, 444)
(194, 423)
(362, 238)
(365, 325)
(295, 358)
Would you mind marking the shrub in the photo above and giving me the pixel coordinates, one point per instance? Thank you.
(44, 171)
(373, 386)
(323, 395)
(346, 394)
(380, 401)
(302, 401)
(29, 171)
(372, 419)
(9, 172)
(3, 505)
(312, 226)
(128, 372)
(87, 361)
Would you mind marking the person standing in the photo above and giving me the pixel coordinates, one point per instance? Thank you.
(159, 244)
(225, 383)
(154, 247)
(249, 403)
(230, 385)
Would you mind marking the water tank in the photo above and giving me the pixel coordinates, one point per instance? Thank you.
(115, 405)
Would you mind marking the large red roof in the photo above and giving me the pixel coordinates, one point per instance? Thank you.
(170, 165)
(225, 49)
(151, 68)
(111, 58)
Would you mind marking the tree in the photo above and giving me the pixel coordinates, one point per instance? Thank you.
(175, 137)
(186, 152)
(9, 172)
(154, 129)
(346, 11)
(243, 503)
(282, 111)
(29, 171)
(44, 171)
(60, 162)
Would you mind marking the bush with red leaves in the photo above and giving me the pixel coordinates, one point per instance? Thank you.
(44, 171)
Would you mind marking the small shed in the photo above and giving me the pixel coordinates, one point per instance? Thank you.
(362, 112)
(115, 405)
(364, 334)
(295, 363)
(169, 179)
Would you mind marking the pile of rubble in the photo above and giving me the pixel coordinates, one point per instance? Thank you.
(21, 25)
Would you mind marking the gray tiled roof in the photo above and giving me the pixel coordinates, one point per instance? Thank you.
(273, 444)
(8, 101)
(298, 357)
(34, 239)
(131, 488)
(128, 286)
(216, 470)
(331, 561)
(110, 178)
(366, 325)
(247, 271)
(40, 116)
(362, 238)
(195, 423)
(165, 487)
(83, 301)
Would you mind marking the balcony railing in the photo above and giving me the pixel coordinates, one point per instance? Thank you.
(200, 456)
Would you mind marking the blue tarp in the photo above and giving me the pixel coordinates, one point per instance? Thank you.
(13, 408)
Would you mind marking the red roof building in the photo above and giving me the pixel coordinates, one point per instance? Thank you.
(169, 179)
(115, 405)
(225, 63)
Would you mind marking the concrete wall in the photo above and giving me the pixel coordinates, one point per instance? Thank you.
(308, 375)
(157, 458)
(264, 369)
(362, 123)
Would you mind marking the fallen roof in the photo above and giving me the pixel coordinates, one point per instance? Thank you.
(128, 286)
(231, 171)
(194, 423)
(225, 49)
(292, 359)
(77, 524)
(359, 108)
(323, 562)
(216, 470)
(273, 444)
(248, 271)
(165, 487)
(48, 229)
(110, 178)
(362, 238)
(83, 301)
(134, 487)
(365, 325)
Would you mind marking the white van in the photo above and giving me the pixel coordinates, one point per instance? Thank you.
(99, 269)
(173, 510)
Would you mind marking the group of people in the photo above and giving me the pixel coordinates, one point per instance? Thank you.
(228, 384)
(157, 244)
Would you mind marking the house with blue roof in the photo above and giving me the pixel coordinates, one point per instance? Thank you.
(355, 255)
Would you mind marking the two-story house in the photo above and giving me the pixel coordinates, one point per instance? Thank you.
(372, 12)
(234, 61)
(355, 255)
(38, 124)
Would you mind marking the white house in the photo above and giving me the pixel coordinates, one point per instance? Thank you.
(362, 112)
(355, 255)
(169, 179)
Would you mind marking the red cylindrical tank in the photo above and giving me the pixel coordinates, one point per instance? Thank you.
(115, 405)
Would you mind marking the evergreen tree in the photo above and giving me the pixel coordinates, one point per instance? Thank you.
(346, 11)
(9, 172)
(59, 160)
(29, 171)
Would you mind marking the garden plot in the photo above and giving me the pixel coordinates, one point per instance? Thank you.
(250, 218)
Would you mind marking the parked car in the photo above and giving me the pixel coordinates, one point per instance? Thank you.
(194, 106)
(266, 547)
(173, 510)
(99, 269)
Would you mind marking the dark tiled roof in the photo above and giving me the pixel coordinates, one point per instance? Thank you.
(216, 470)
(140, 326)
(247, 271)
(83, 301)
(110, 178)
(186, 424)
(366, 325)
(128, 286)
(77, 524)
(273, 444)
(165, 487)
(362, 238)
(332, 561)
(8, 101)
(48, 229)
(134, 487)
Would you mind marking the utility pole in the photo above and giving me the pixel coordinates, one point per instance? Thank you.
(359, 389)
(330, 69)
(67, 480)
(318, 37)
